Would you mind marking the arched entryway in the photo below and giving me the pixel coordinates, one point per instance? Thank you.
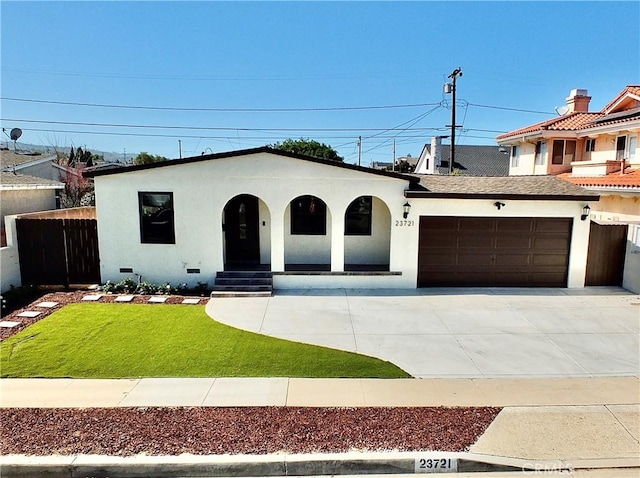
(241, 225)
(367, 231)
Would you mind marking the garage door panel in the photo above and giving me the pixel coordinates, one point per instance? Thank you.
(559, 260)
(512, 260)
(475, 242)
(511, 241)
(515, 224)
(550, 243)
(494, 252)
(559, 225)
(476, 224)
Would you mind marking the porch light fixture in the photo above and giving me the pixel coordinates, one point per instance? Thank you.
(499, 205)
(585, 212)
(406, 208)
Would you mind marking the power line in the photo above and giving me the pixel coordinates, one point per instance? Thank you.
(227, 128)
(512, 109)
(226, 110)
(263, 110)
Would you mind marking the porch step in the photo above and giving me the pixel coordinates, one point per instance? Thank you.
(243, 284)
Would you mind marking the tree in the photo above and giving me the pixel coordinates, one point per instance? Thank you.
(78, 190)
(309, 147)
(146, 158)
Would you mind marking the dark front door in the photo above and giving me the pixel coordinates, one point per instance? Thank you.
(605, 259)
(241, 232)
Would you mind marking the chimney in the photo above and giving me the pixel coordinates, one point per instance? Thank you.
(578, 101)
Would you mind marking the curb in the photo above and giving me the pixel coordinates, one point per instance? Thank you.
(354, 463)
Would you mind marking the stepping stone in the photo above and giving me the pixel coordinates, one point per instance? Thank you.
(124, 298)
(158, 300)
(191, 301)
(92, 297)
(29, 314)
(47, 305)
(7, 324)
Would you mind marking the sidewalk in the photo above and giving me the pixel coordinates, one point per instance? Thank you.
(550, 424)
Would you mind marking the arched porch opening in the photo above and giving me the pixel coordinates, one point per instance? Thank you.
(367, 231)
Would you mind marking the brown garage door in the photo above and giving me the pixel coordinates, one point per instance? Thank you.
(484, 251)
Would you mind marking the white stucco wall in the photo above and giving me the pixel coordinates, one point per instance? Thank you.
(16, 201)
(202, 189)
(9, 258)
(631, 277)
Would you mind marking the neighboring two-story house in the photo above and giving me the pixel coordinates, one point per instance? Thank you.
(598, 151)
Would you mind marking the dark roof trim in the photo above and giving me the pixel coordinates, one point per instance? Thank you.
(246, 152)
(512, 197)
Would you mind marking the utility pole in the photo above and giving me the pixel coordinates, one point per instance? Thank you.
(451, 88)
(180, 147)
(359, 149)
(393, 165)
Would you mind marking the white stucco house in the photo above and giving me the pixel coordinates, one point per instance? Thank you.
(315, 223)
(599, 151)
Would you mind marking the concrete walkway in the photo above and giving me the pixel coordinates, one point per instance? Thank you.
(553, 423)
(461, 333)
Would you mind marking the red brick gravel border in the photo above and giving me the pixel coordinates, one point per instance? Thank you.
(239, 430)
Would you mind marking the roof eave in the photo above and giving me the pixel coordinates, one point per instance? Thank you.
(246, 152)
(506, 196)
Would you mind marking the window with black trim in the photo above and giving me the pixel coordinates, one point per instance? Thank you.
(308, 216)
(156, 218)
(357, 219)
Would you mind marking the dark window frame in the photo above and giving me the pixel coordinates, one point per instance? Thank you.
(357, 217)
(563, 154)
(308, 216)
(157, 223)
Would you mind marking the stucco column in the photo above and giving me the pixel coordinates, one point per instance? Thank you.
(277, 240)
(337, 242)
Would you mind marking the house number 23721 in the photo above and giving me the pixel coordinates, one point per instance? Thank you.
(404, 223)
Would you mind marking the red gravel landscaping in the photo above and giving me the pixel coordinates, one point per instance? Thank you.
(239, 430)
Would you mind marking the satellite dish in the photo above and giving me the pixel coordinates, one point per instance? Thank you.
(15, 134)
(562, 110)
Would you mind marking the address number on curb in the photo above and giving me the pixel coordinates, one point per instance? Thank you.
(436, 465)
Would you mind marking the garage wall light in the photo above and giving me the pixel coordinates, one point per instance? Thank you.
(406, 208)
(499, 205)
(585, 212)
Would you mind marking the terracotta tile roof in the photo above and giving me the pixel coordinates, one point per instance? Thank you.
(630, 179)
(520, 187)
(581, 121)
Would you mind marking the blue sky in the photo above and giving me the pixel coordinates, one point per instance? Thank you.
(188, 67)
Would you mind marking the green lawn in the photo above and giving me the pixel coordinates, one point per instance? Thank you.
(130, 340)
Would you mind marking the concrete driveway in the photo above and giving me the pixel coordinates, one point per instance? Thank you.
(458, 333)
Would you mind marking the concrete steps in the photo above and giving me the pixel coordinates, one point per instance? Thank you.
(243, 284)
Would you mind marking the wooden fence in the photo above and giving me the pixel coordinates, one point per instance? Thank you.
(58, 251)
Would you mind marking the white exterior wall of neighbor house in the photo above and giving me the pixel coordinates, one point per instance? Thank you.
(23, 200)
(9, 259)
(202, 189)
